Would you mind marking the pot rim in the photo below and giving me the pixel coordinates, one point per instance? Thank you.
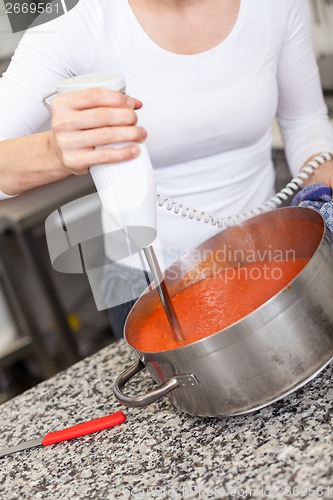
(193, 346)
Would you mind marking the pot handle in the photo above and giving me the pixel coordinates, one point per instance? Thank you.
(140, 401)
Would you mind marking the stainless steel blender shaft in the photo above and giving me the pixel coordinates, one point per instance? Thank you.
(163, 293)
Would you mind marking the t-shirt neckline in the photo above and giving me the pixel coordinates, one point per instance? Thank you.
(154, 45)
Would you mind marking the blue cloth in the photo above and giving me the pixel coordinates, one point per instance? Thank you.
(318, 197)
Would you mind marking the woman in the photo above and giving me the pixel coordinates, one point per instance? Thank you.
(211, 76)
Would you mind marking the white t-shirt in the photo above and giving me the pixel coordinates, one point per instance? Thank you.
(208, 116)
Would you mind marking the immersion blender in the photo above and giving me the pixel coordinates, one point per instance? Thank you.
(128, 193)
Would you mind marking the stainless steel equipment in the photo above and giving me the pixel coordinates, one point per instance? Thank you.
(269, 353)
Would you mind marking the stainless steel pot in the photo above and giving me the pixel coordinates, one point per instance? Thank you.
(266, 355)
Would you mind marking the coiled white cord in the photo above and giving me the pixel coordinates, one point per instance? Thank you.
(223, 222)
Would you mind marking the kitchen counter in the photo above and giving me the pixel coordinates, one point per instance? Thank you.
(282, 450)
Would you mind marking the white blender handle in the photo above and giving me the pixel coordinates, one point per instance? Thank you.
(128, 193)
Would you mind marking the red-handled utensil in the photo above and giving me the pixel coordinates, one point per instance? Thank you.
(99, 424)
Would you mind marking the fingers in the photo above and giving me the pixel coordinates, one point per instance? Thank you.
(78, 162)
(94, 118)
(96, 98)
(104, 136)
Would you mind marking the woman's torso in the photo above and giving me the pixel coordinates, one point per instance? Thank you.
(208, 115)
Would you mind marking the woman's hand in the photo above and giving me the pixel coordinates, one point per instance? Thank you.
(81, 121)
(324, 175)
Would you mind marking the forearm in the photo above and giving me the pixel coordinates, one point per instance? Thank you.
(29, 162)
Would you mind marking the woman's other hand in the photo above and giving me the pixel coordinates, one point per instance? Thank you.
(324, 175)
(83, 122)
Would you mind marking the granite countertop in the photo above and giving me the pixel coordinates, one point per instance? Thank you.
(284, 450)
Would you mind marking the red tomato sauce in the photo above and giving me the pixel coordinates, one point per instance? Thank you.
(215, 303)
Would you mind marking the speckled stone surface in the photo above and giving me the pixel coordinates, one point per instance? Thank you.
(284, 450)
